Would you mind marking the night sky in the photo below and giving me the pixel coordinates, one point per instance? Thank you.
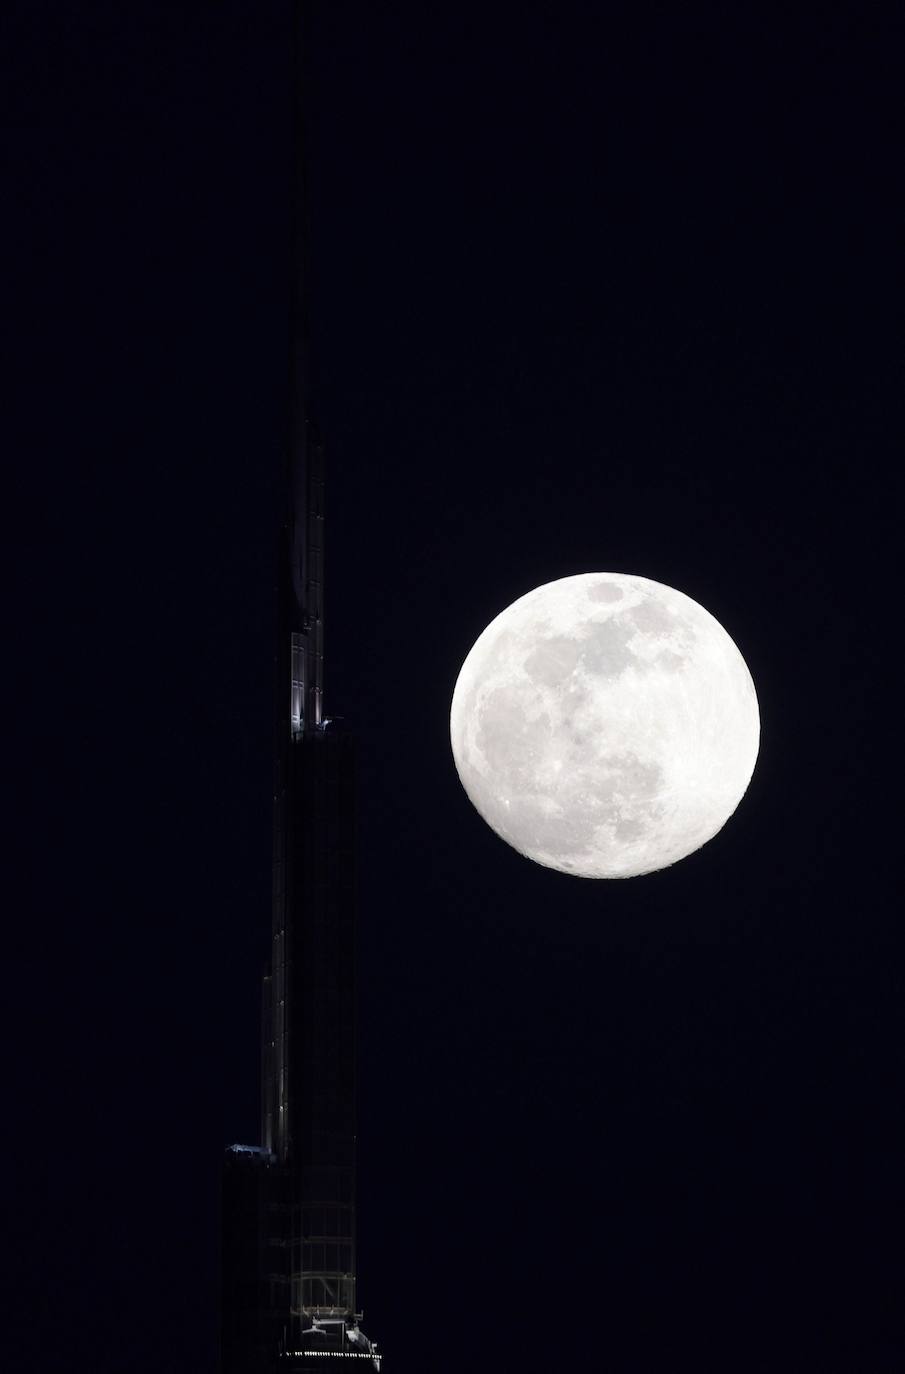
(594, 287)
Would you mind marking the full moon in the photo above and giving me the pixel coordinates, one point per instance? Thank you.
(605, 725)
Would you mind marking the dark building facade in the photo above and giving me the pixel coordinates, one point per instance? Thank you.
(288, 1213)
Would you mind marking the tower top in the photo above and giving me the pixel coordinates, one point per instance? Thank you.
(302, 596)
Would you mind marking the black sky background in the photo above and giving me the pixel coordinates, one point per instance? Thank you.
(595, 287)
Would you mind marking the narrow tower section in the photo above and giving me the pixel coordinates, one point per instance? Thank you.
(289, 1285)
(309, 1055)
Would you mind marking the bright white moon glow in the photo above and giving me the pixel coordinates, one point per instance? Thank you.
(605, 725)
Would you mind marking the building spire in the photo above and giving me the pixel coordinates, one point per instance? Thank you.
(289, 1234)
(304, 603)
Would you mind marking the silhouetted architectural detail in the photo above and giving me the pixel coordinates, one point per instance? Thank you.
(288, 1287)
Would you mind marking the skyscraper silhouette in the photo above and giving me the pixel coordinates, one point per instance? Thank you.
(288, 1270)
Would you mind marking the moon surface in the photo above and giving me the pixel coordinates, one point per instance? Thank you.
(605, 725)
